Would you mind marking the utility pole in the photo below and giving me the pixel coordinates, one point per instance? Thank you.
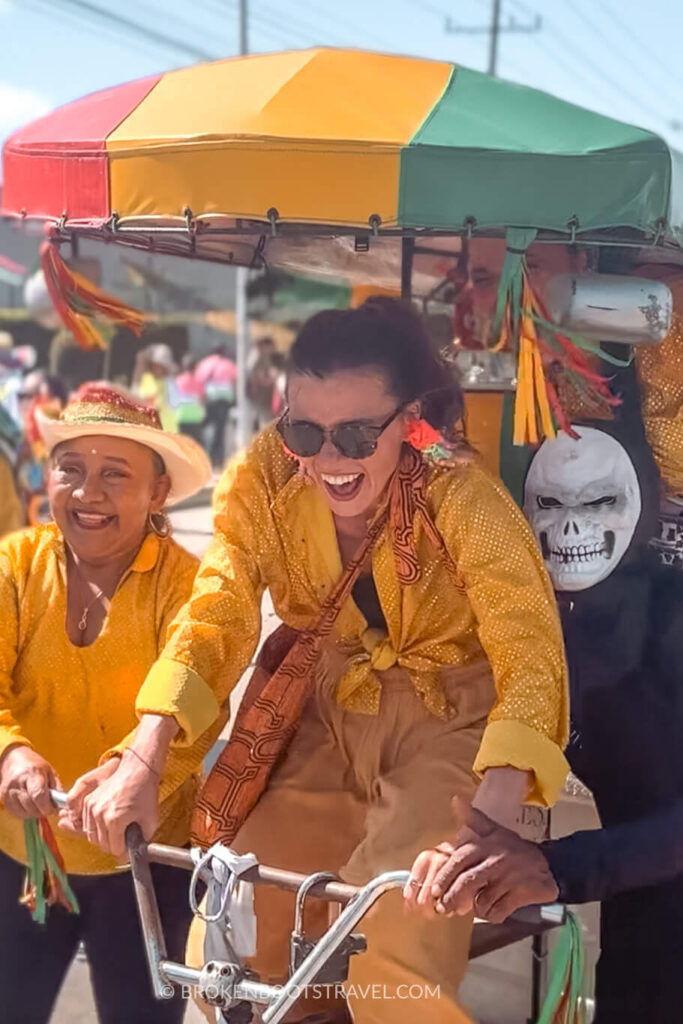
(244, 27)
(241, 281)
(493, 38)
(493, 31)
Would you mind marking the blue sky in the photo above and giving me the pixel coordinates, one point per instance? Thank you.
(620, 57)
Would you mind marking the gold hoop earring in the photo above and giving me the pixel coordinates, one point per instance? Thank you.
(159, 524)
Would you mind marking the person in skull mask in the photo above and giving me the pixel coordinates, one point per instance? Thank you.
(592, 503)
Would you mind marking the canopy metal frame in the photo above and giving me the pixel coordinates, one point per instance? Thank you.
(184, 238)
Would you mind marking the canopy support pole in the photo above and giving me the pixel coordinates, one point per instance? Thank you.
(407, 253)
(242, 358)
(241, 306)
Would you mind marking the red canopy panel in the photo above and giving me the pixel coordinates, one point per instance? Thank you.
(39, 159)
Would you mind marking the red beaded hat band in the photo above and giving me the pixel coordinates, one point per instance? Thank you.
(98, 403)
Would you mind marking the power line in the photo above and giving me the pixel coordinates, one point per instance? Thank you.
(595, 28)
(302, 24)
(569, 46)
(347, 26)
(84, 22)
(266, 17)
(618, 86)
(268, 20)
(92, 16)
(263, 18)
(522, 7)
(156, 15)
(297, 24)
(141, 30)
(598, 72)
(267, 33)
(643, 50)
(218, 8)
(428, 8)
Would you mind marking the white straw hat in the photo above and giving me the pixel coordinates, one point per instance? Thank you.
(97, 410)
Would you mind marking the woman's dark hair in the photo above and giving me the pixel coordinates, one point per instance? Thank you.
(386, 334)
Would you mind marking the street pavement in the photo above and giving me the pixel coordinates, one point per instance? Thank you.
(497, 988)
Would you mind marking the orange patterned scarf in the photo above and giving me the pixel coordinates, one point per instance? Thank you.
(266, 722)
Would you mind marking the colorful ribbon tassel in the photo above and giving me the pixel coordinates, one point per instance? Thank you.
(78, 301)
(45, 881)
(565, 1002)
(547, 356)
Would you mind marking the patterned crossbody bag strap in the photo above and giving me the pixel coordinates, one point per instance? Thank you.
(262, 733)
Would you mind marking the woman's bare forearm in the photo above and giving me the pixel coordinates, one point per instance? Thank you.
(153, 738)
(501, 794)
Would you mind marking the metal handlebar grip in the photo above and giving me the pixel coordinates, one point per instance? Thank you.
(58, 799)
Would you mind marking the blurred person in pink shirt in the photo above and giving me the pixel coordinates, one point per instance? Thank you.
(189, 400)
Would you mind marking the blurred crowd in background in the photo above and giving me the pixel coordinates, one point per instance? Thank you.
(195, 395)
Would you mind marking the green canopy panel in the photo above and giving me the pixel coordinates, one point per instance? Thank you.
(494, 153)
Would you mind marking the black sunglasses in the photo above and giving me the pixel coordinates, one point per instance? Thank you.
(353, 440)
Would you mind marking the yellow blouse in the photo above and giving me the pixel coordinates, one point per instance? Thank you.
(71, 704)
(274, 530)
(660, 368)
(11, 515)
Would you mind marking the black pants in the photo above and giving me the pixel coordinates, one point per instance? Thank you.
(217, 413)
(34, 959)
(639, 978)
(193, 430)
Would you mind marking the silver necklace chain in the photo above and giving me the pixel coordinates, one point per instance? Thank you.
(83, 621)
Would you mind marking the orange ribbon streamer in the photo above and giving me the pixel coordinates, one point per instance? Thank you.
(78, 301)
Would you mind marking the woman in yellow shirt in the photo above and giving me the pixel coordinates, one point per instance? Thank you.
(84, 606)
(11, 513)
(403, 714)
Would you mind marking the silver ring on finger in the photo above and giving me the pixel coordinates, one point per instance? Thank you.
(475, 898)
(415, 883)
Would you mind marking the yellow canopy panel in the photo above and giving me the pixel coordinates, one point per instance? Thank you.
(288, 131)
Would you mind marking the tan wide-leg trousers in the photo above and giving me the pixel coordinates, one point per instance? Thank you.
(358, 795)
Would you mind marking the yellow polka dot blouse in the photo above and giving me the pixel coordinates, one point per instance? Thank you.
(274, 530)
(72, 704)
(660, 368)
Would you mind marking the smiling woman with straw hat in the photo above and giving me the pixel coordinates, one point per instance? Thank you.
(84, 605)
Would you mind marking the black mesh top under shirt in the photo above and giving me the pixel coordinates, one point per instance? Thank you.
(366, 597)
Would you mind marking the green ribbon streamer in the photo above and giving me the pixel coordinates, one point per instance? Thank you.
(581, 342)
(34, 869)
(40, 860)
(566, 971)
(517, 241)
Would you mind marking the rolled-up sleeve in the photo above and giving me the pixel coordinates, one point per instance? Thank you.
(519, 629)
(602, 863)
(214, 635)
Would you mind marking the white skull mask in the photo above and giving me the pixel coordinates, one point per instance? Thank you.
(582, 499)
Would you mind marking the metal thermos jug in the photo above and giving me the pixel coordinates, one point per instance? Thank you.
(611, 307)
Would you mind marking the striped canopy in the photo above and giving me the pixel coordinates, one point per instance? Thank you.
(340, 138)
